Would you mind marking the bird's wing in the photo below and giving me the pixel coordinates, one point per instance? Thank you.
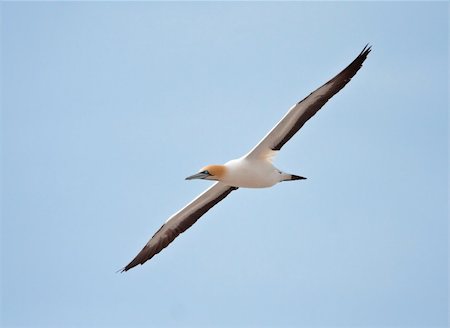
(305, 109)
(180, 222)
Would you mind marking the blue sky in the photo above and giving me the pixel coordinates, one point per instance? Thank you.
(106, 107)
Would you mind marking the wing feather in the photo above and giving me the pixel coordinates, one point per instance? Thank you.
(301, 112)
(180, 222)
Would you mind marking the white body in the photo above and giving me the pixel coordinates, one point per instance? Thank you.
(247, 172)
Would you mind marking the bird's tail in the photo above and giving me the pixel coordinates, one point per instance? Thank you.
(291, 177)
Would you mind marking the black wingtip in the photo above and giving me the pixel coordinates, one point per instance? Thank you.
(124, 269)
(129, 266)
(366, 50)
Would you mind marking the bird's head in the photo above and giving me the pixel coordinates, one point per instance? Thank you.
(210, 172)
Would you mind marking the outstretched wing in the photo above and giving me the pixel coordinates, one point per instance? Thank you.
(180, 222)
(301, 112)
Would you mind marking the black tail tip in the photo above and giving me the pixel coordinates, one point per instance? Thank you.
(297, 177)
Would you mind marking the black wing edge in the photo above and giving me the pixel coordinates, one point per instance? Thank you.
(148, 252)
(340, 81)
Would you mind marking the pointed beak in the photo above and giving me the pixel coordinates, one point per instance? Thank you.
(200, 175)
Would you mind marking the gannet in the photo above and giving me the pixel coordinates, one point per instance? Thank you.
(253, 170)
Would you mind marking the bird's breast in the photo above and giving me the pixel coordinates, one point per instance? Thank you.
(250, 173)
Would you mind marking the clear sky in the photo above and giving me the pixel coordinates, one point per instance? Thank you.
(107, 107)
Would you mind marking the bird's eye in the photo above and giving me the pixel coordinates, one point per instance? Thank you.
(205, 172)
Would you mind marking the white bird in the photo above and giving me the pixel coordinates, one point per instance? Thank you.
(253, 170)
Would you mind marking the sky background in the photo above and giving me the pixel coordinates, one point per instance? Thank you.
(107, 107)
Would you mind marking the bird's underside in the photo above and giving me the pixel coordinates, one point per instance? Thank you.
(259, 156)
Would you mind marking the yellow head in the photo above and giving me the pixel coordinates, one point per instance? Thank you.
(210, 172)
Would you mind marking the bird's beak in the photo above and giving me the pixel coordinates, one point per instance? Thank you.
(200, 175)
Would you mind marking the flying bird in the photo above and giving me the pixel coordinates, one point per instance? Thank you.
(253, 170)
